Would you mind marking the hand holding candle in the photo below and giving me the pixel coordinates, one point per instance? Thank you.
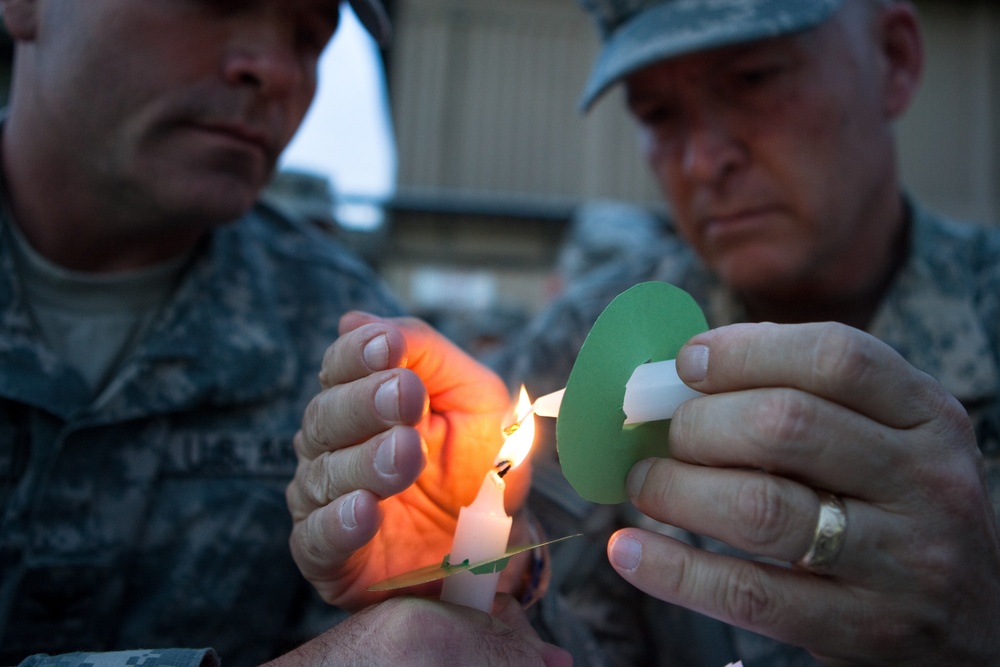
(398, 440)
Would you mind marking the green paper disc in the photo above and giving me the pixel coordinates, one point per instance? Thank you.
(648, 322)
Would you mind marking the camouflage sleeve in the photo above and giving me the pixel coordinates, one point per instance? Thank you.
(589, 610)
(173, 657)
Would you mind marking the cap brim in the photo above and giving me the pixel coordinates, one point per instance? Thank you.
(372, 16)
(680, 27)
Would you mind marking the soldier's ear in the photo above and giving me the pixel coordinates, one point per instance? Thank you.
(19, 17)
(902, 50)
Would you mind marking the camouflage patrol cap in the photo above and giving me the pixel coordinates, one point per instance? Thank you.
(372, 16)
(637, 33)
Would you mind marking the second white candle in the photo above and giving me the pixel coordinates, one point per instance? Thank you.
(482, 533)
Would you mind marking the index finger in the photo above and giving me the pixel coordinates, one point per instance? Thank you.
(369, 347)
(786, 604)
(830, 360)
(454, 379)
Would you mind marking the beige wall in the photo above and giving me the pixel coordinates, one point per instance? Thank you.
(484, 96)
(950, 139)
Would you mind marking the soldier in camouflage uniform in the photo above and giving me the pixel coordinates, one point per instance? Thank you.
(846, 487)
(161, 336)
(942, 313)
(938, 306)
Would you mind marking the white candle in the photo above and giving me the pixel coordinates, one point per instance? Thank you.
(652, 392)
(484, 526)
(481, 534)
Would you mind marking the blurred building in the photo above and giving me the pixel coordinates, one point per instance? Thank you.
(493, 160)
(494, 157)
(484, 98)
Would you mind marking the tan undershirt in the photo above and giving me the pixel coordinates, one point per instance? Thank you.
(92, 321)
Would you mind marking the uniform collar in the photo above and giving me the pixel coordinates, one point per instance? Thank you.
(930, 314)
(218, 342)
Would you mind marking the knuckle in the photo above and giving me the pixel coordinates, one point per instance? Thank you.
(316, 483)
(937, 411)
(952, 423)
(310, 436)
(940, 566)
(747, 600)
(657, 487)
(842, 358)
(783, 419)
(683, 426)
(762, 517)
(297, 505)
(913, 631)
(675, 582)
(299, 445)
(402, 615)
(414, 625)
(956, 488)
(326, 377)
(953, 480)
(312, 550)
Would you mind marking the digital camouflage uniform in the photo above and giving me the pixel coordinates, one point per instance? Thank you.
(154, 515)
(942, 313)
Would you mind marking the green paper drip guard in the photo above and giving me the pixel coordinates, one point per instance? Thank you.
(648, 322)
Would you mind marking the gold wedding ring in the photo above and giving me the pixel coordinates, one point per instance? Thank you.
(831, 526)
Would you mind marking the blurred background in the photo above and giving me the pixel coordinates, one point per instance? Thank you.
(456, 163)
(496, 168)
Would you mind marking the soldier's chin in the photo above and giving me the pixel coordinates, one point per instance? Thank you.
(217, 205)
(757, 276)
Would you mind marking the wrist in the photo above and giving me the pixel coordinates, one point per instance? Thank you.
(527, 575)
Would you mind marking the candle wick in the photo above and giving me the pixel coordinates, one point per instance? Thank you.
(512, 429)
(502, 468)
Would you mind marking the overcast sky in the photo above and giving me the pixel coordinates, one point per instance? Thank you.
(347, 133)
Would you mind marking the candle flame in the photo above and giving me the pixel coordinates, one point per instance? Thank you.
(519, 440)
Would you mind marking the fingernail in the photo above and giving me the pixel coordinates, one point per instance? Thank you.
(347, 516)
(385, 457)
(692, 363)
(387, 400)
(626, 553)
(636, 478)
(376, 353)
